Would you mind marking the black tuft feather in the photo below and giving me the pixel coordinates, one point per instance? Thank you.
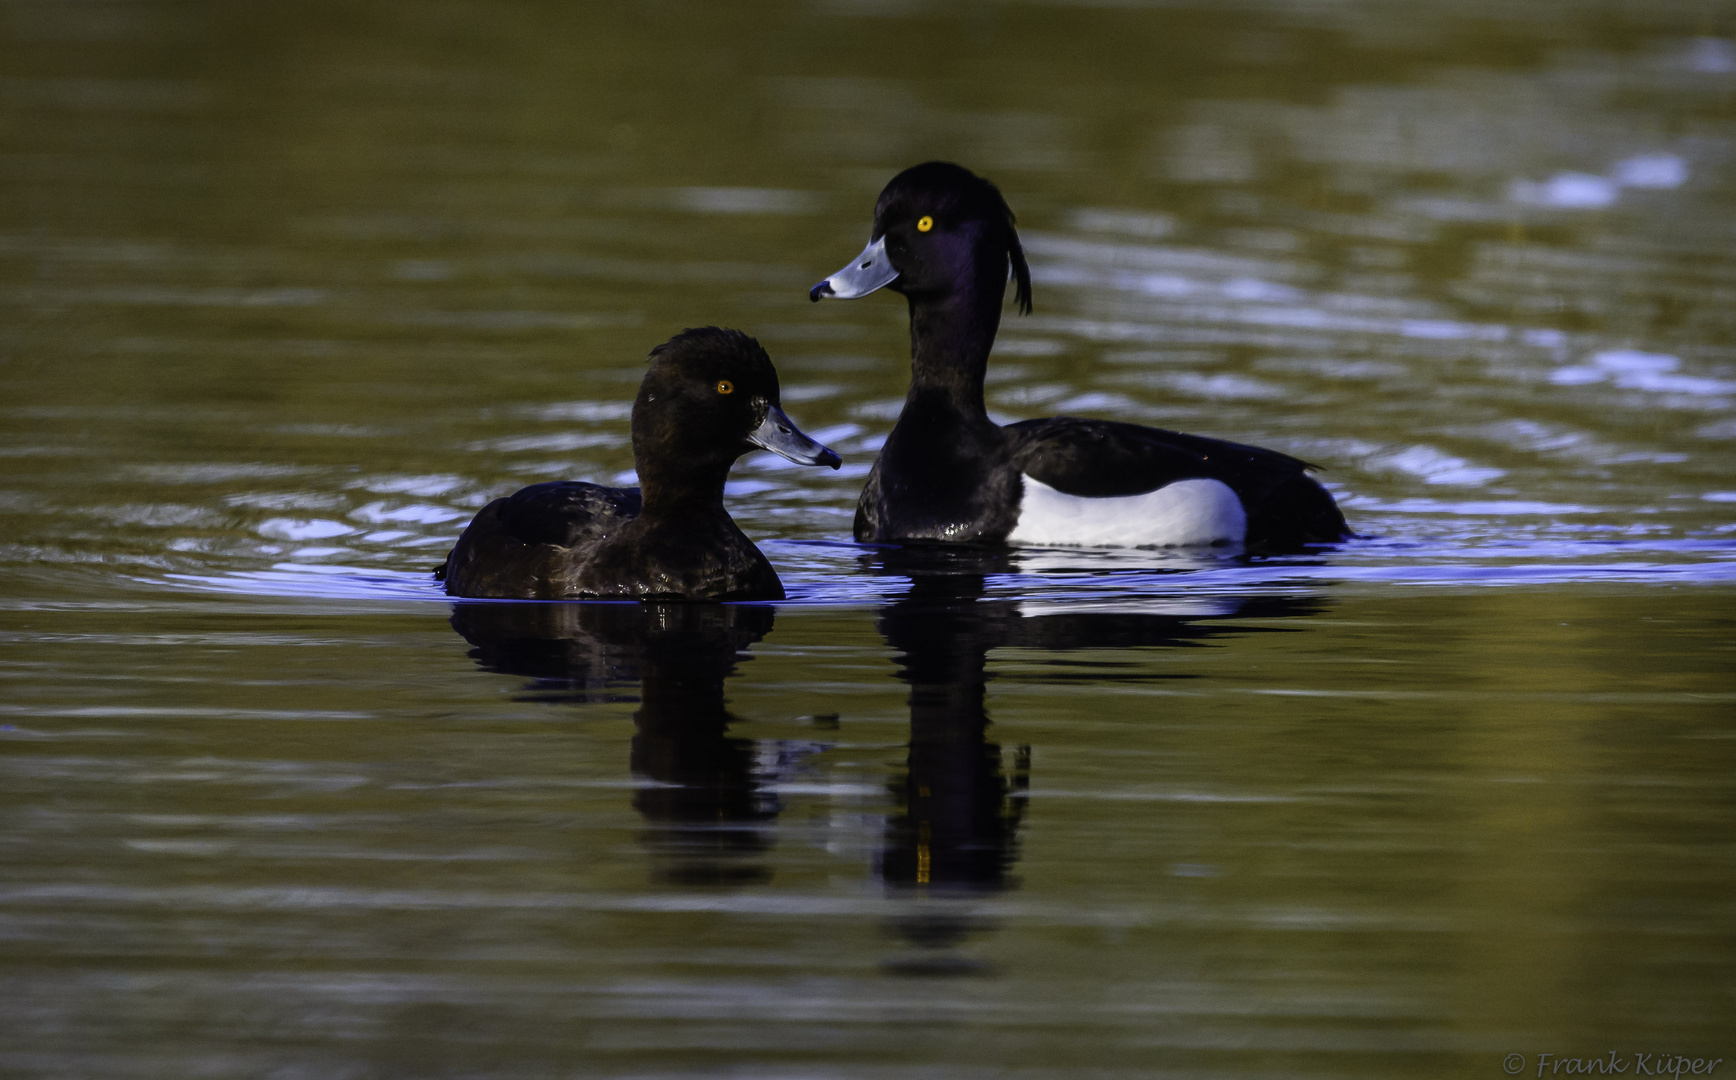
(1021, 274)
(1015, 250)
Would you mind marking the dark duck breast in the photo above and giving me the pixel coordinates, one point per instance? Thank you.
(944, 237)
(709, 396)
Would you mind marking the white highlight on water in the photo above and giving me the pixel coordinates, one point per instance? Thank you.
(1184, 513)
(1630, 369)
(1590, 191)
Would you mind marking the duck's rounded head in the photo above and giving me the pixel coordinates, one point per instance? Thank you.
(710, 396)
(937, 226)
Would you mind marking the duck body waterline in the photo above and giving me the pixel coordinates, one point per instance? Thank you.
(710, 396)
(948, 473)
(569, 539)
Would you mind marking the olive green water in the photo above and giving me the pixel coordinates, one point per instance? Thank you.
(288, 291)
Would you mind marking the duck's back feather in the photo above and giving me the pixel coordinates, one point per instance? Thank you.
(1107, 459)
(567, 513)
(518, 547)
(568, 539)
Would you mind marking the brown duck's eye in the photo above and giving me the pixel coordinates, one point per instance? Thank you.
(924, 223)
(724, 386)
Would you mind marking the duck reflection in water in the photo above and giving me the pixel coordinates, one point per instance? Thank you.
(954, 832)
(708, 806)
(958, 804)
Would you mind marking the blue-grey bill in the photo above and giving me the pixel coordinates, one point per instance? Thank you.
(866, 272)
(780, 435)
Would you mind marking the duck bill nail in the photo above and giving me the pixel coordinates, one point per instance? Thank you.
(866, 272)
(780, 435)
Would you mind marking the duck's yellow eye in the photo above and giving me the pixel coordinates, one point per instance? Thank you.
(724, 386)
(924, 223)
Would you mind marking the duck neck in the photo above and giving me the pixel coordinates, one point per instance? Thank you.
(692, 487)
(950, 339)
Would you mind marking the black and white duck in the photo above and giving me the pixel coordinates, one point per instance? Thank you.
(709, 396)
(944, 238)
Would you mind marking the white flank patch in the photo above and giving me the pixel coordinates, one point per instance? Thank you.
(1184, 513)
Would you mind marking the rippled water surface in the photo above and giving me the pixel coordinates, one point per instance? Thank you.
(288, 291)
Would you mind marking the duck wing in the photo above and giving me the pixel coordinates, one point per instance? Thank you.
(567, 513)
(1105, 458)
(513, 547)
